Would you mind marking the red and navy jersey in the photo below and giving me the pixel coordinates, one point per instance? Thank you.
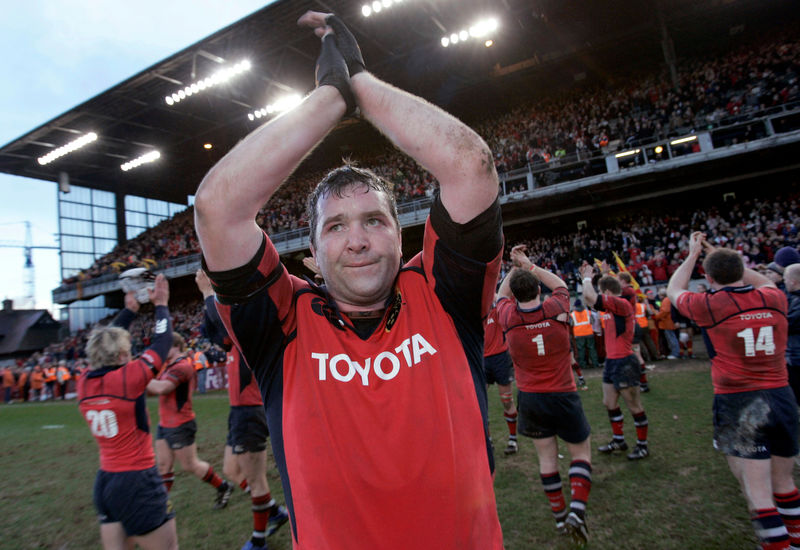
(629, 293)
(618, 325)
(175, 407)
(494, 341)
(745, 330)
(242, 387)
(382, 440)
(112, 401)
(539, 343)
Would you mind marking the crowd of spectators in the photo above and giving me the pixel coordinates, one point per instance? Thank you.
(586, 119)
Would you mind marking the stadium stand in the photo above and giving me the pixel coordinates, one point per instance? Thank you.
(554, 138)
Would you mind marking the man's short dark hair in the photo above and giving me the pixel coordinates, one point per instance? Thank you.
(340, 180)
(724, 266)
(625, 277)
(524, 285)
(610, 283)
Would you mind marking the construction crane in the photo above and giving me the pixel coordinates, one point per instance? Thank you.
(29, 274)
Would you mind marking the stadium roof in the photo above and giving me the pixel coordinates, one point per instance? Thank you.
(401, 44)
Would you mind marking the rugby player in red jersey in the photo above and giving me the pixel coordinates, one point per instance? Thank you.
(245, 461)
(373, 384)
(499, 370)
(621, 373)
(743, 318)
(177, 426)
(129, 496)
(538, 338)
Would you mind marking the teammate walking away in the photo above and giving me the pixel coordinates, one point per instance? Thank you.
(755, 412)
(538, 337)
(245, 461)
(500, 370)
(621, 373)
(129, 496)
(176, 423)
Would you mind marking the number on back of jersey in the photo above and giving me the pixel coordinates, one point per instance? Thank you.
(102, 423)
(763, 342)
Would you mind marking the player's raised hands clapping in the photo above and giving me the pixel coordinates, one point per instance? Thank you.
(519, 257)
(696, 241)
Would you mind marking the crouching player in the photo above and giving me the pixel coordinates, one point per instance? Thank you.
(129, 496)
(538, 338)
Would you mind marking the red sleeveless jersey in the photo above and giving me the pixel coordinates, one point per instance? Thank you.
(539, 343)
(745, 331)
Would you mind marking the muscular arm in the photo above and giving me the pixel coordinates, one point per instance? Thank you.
(232, 192)
(756, 279)
(679, 282)
(450, 150)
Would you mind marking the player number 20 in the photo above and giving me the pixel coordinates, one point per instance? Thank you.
(539, 341)
(103, 423)
(764, 342)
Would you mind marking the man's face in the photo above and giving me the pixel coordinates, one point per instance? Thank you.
(358, 247)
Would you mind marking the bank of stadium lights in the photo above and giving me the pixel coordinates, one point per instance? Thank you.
(279, 106)
(683, 140)
(152, 156)
(219, 77)
(479, 30)
(68, 148)
(378, 6)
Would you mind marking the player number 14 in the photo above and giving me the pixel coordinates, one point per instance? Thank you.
(764, 342)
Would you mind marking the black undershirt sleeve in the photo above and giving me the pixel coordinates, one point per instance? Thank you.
(480, 238)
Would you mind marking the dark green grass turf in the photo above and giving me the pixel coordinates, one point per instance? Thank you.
(682, 496)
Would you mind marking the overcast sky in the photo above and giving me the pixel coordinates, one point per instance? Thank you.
(57, 55)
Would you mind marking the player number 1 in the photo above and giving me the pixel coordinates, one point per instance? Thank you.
(764, 342)
(539, 341)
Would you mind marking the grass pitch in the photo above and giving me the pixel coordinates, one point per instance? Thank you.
(682, 496)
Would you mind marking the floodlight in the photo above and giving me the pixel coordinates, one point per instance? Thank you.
(658, 150)
(68, 148)
(377, 6)
(479, 29)
(488, 43)
(683, 140)
(366, 11)
(220, 76)
(207, 146)
(445, 41)
(147, 157)
(387, 3)
(283, 104)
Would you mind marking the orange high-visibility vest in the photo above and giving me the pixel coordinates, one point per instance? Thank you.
(581, 324)
(199, 360)
(62, 374)
(641, 315)
(50, 374)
